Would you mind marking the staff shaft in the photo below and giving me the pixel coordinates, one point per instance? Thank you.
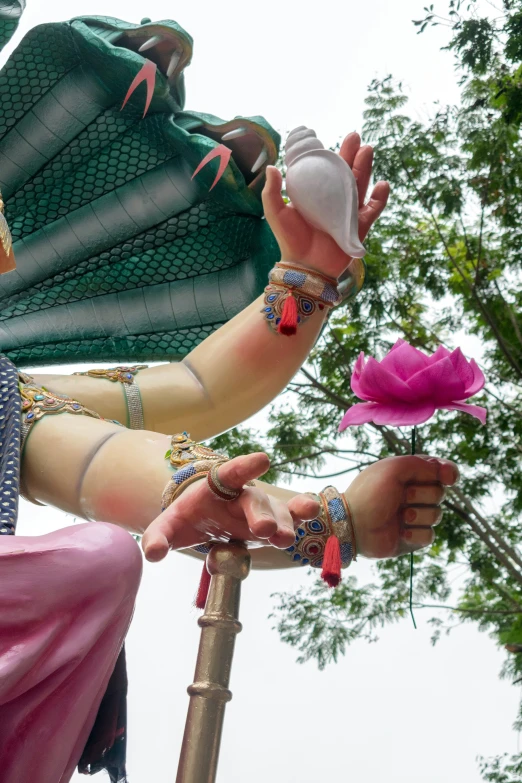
(228, 565)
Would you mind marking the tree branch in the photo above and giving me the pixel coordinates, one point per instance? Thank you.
(509, 550)
(471, 288)
(501, 557)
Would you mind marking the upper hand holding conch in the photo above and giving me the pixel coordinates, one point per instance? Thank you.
(324, 225)
(323, 189)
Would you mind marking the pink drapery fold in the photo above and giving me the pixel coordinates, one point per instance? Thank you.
(67, 602)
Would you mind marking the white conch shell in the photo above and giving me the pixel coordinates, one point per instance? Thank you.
(322, 187)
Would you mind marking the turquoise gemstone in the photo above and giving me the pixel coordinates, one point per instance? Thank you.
(38, 397)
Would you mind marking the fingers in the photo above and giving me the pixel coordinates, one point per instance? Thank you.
(424, 495)
(274, 520)
(418, 539)
(273, 202)
(161, 534)
(236, 473)
(298, 509)
(258, 512)
(362, 170)
(285, 535)
(267, 518)
(303, 508)
(350, 147)
(373, 209)
(421, 513)
(423, 469)
(421, 517)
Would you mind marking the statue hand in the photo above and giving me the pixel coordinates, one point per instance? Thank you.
(396, 503)
(197, 515)
(301, 242)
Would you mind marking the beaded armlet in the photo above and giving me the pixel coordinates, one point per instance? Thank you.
(327, 542)
(125, 376)
(37, 402)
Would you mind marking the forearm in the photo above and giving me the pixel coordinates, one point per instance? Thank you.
(264, 558)
(230, 376)
(103, 472)
(100, 471)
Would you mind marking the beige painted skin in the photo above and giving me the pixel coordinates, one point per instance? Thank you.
(230, 376)
(244, 365)
(70, 463)
(97, 470)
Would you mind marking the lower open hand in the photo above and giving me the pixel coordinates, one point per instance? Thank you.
(198, 516)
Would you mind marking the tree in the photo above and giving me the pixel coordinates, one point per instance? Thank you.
(446, 259)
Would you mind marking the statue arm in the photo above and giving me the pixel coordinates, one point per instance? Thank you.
(231, 375)
(100, 471)
(244, 365)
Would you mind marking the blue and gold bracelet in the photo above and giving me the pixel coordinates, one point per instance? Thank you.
(327, 542)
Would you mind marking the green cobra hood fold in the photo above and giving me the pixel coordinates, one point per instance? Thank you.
(121, 255)
(10, 13)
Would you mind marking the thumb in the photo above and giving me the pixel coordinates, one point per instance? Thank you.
(273, 202)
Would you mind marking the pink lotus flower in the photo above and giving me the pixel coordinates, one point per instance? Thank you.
(407, 387)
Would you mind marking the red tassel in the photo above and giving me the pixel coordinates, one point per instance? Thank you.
(331, 572)
(204, 585)
(288, 322)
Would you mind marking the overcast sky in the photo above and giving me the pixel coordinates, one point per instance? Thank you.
(398, 710)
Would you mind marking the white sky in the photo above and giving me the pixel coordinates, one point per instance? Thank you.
(398, 710)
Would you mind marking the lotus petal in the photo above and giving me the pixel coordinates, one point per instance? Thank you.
(438, 382)
(377, 384)
(404, 361)
(474, 410)
(462, 367)
(439, 354)
(395, 415)
(478, 380)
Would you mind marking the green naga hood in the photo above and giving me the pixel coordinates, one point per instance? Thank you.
(121, 255)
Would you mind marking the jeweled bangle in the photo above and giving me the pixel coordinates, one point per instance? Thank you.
(191, 461)
(125, 376)
(182, 478)
(307, 282)
(335, 519)
(309, 290)
(184, 450)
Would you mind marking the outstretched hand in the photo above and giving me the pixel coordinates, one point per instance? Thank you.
(396, 503)
(301, 242)
(197, 515)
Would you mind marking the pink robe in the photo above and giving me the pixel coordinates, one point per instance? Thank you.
(67, 600)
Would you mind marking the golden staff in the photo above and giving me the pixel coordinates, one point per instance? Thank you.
(228, 565)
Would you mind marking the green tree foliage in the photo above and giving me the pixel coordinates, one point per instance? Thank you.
(444, 262)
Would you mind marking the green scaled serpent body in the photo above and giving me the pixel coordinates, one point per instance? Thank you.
(121, 255)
